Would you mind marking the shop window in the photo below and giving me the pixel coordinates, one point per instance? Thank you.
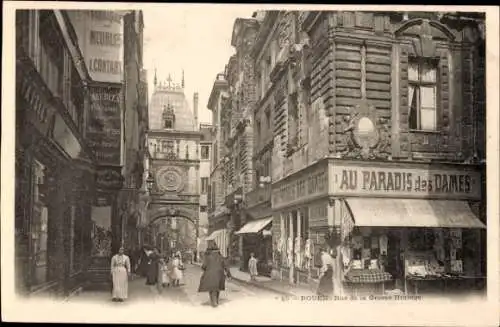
(421, 239)
(204, 185)
(39, 227)
(422, 94)
(205, 152)
(77, 235)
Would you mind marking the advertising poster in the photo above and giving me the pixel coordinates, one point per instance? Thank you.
(104, 124)
(100, 35)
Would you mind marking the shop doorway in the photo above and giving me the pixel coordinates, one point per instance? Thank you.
(395, 265)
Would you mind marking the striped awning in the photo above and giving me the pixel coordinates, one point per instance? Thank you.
(377, 212)
(255, 226)
(214, 235)
(221, 238)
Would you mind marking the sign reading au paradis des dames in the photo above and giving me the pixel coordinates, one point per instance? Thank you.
(363, 180)
(409, 182)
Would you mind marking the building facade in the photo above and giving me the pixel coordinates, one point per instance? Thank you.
(79, 138)
(218, 213)
(135, 124)
(373, 123)
(55, 167)
(174, 165)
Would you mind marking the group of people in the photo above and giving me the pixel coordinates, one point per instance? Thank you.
(158, 269)
(164, 271)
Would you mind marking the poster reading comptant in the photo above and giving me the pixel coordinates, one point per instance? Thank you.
(100, 35)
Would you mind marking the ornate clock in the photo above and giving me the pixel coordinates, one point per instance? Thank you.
(170, 179)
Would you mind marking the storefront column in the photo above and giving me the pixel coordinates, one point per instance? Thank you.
(298, 240)
(240, 252)
(290, 251)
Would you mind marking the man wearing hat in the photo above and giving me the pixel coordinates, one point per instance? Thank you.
(215, 270)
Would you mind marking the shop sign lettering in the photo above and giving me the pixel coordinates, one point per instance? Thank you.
(411, 182)
(308, 186)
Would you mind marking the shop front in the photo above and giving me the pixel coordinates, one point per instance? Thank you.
(256, 238)
(301, 209)
(407, 228)
(391, 227)
(54, 186)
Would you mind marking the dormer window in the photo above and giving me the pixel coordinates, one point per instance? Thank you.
(169, 123)
(168, 116)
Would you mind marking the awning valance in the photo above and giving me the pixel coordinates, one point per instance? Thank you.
(378, 212)
(255, 226)
(215, 234)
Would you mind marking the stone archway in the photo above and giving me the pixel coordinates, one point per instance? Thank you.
(173, 211)
(160, 211)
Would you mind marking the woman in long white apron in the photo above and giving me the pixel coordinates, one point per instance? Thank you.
(120, 270)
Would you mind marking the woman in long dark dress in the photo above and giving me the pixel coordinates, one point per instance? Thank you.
(213, 279)
(325, 287)
(152, 268)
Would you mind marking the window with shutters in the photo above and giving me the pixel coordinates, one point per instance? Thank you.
(204, 185)
(422, 94)
(205, 152)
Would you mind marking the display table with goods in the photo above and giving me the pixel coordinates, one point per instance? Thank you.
(442, 266)
(430, 271)
(364, 259)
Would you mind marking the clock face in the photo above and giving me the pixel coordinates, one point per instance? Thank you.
(170, 179)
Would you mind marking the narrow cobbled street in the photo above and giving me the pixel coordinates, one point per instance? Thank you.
(186, 293)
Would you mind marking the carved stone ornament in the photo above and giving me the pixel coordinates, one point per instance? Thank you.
(170, 179)
(367, 137)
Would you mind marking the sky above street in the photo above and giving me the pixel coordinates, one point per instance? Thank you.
(195, 38)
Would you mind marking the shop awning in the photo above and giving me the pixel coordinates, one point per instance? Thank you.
(214, 235)
(255, 226)
(377, 212)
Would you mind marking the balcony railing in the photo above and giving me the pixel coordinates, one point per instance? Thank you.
(258, 195)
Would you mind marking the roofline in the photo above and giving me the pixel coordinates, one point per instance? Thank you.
(69, 34)
(216, 88)
(242, 22)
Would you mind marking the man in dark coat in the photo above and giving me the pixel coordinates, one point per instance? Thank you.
(152, 268)
(213, 279)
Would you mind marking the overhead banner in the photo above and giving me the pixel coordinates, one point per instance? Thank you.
(104, 124)
(100, 36)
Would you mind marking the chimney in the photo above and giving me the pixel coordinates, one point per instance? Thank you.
(195, 110)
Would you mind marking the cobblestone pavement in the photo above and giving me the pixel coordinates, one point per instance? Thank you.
(186, 293)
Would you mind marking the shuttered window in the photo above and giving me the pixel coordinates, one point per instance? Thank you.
(422, 94)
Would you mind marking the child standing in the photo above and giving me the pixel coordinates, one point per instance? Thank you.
(164, 280)
(176, 270)
(252, 267)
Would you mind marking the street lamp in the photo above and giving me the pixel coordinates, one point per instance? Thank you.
(264, 180)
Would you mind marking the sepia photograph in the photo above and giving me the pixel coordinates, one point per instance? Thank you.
(278, 164)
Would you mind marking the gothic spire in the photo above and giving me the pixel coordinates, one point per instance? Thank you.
(182, 82)
(155, 80)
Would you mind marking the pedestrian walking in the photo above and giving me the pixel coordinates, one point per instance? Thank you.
(325, 287)
(120, 270)
(163, 276)
(252, 267)
(152, 268)
(215, 270)
(177, 268)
